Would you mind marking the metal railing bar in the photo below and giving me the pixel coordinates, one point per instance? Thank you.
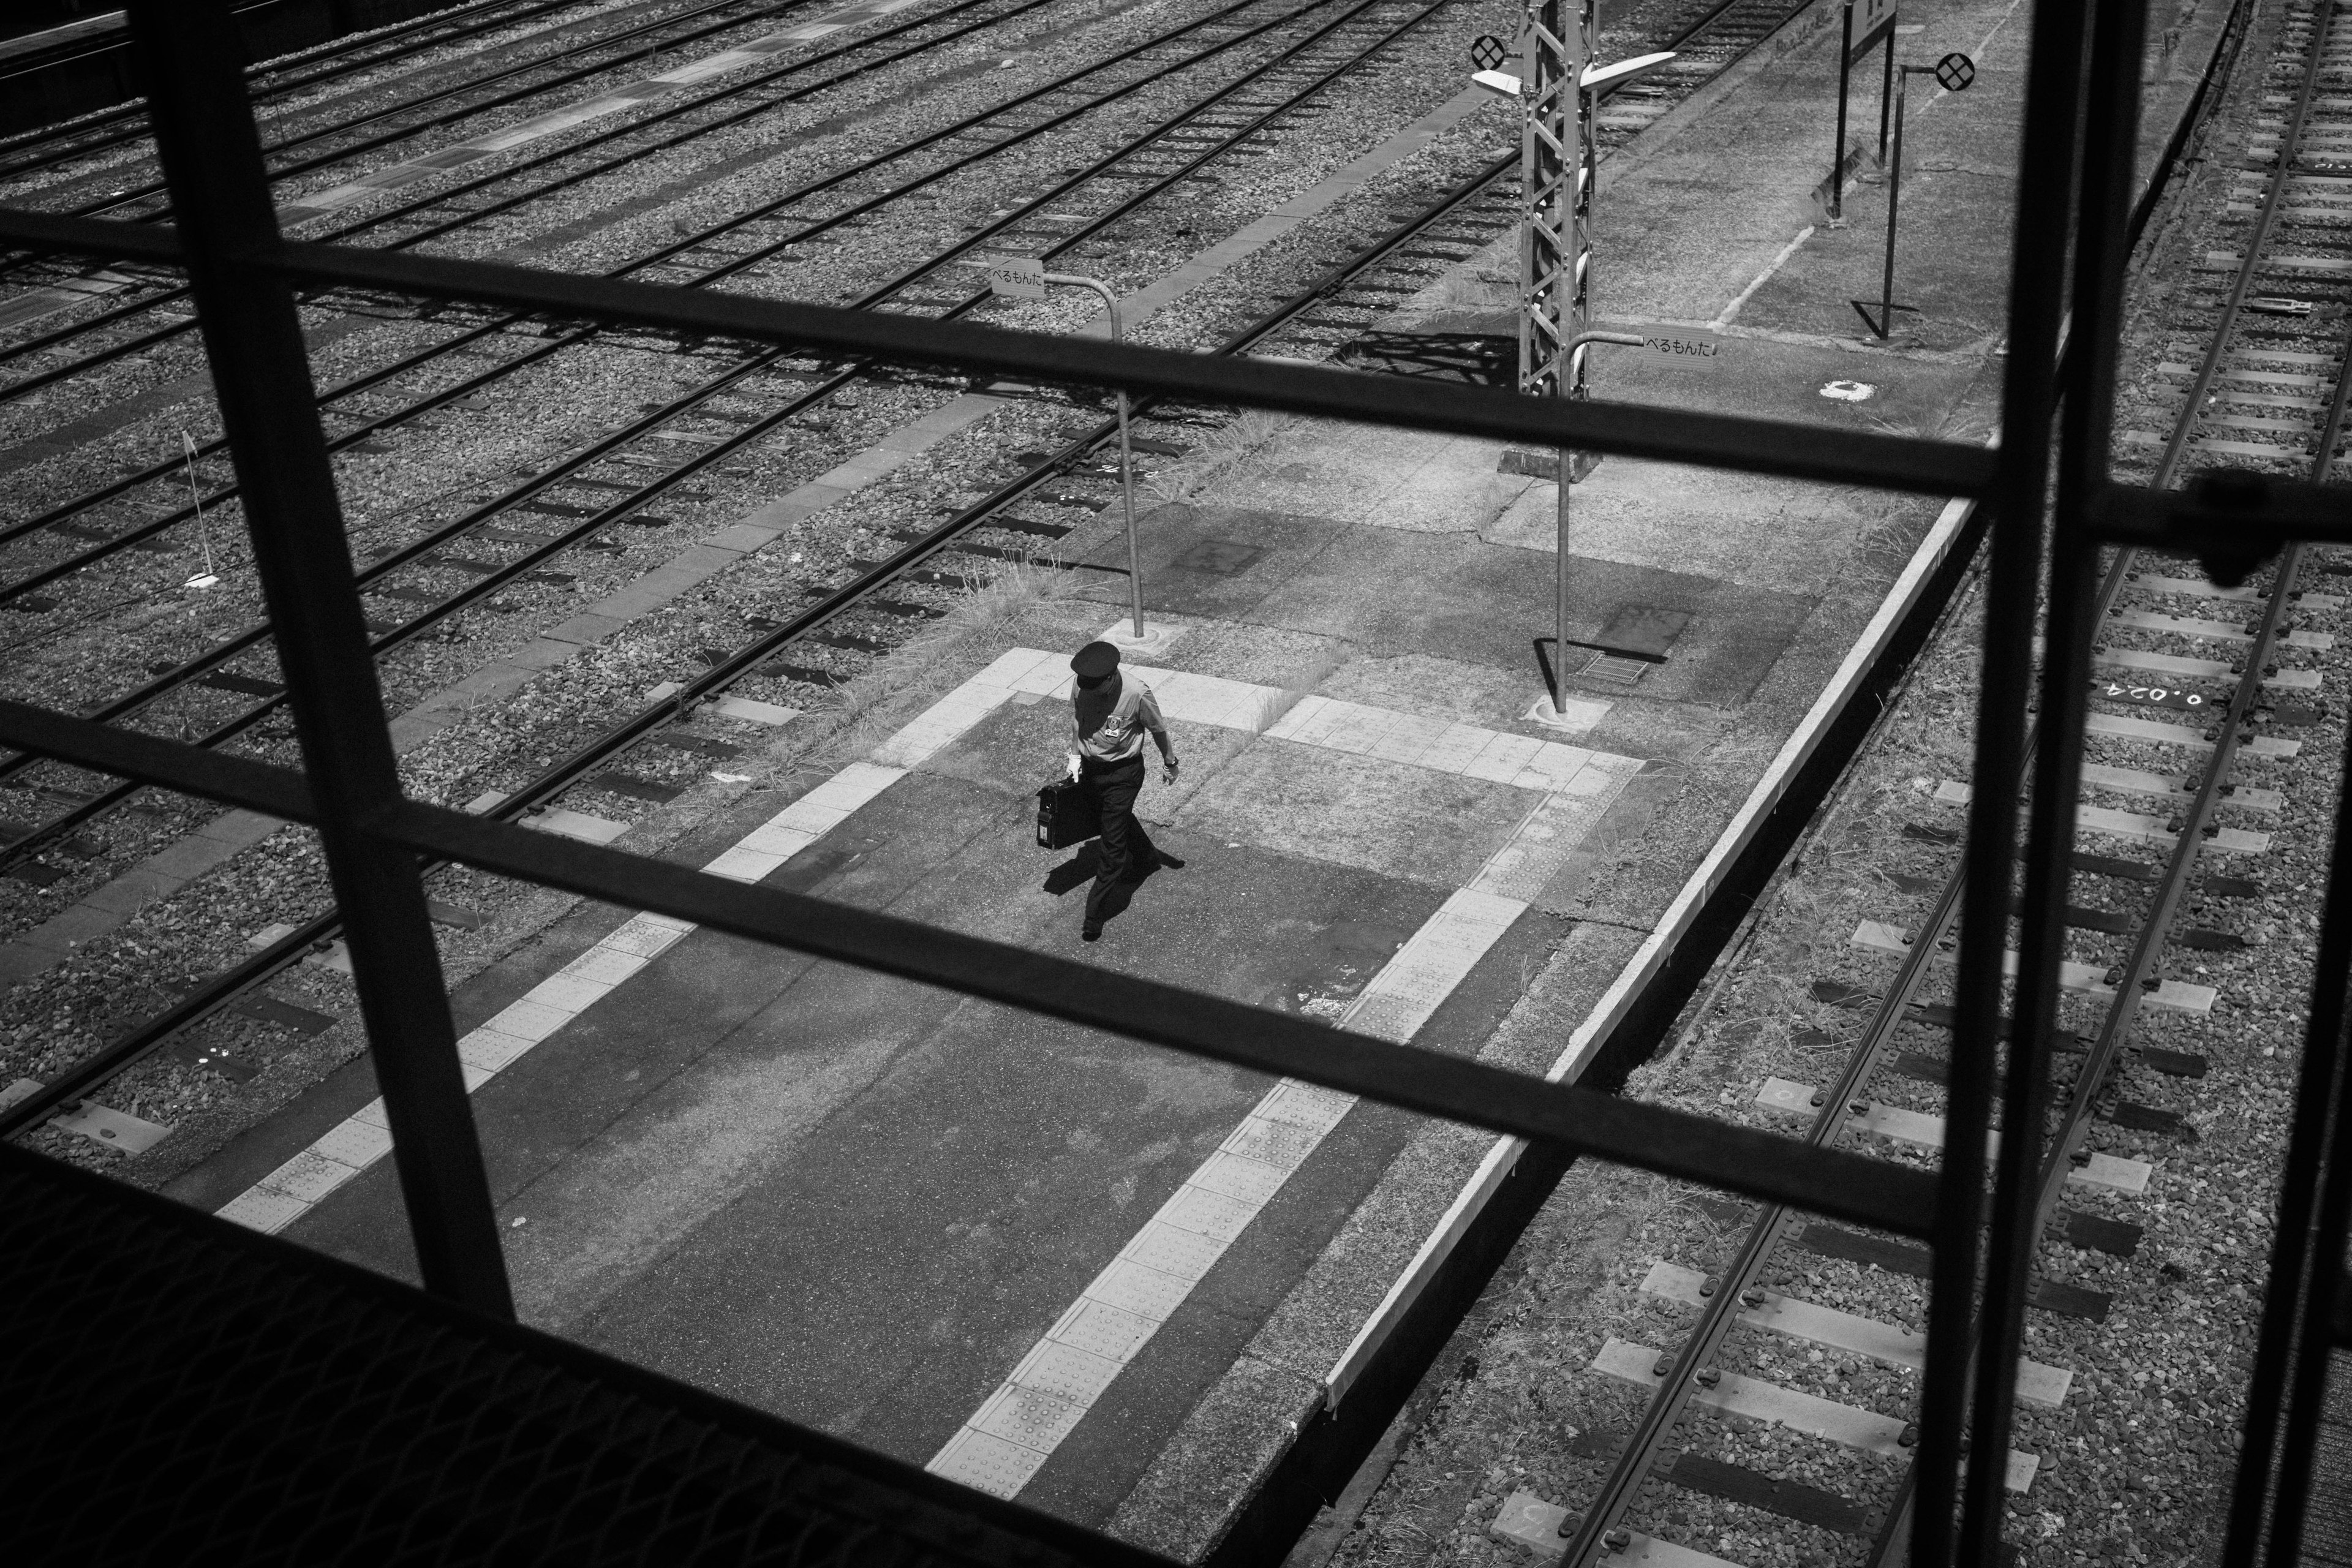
(951, 1524)
(2024, 1174)
(2037, 304)
(1431, 1083)
(1713, 440)
(211, 154)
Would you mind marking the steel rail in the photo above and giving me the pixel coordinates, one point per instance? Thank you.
(83, 812)
(1283, 314)
(1419, 1078)
(758, 11)
(1636, 1462)
(538, 351)
(744, 260)
(970, 242)
(33, 383)
(482, 587)
(223, 989)
(509, 13)
(226, 988)
(2105, 1046)
(508, 170)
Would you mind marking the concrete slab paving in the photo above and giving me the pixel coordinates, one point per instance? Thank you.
(872, 1206)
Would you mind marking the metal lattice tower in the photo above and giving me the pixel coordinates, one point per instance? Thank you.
(1557, 160)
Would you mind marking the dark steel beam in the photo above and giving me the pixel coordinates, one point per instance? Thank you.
(2037, 304)
(211, 154)
(2231, 519)
(1434, 1083)
(1669, 435)
(2307, 1300)
(2024, 1167)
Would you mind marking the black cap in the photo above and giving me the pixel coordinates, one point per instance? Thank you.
(1094, 660)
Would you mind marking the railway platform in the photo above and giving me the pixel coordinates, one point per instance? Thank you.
(1112, 1281)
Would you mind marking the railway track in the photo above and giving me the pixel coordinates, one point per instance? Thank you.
(2195, 751)
(977, 535)
(616, 478)
(293, 152)
(273, 84)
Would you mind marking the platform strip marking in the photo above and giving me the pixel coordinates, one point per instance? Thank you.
(1017, 1429)
(364, 1137)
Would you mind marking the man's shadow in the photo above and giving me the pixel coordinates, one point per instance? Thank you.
(1080, 870)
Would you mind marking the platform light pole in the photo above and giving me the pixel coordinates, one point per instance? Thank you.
(1560, 156)
(1025, 277)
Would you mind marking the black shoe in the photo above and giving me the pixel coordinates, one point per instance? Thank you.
(1091, 932)
(1171, 861)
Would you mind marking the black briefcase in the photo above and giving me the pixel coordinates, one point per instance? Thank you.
(1066, 814)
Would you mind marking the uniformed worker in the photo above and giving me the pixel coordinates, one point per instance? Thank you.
(1111, 712)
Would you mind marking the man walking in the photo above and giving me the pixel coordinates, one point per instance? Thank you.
(1111, 712)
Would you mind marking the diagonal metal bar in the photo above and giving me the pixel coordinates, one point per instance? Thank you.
(211, 153)
(2037, 301)
(2027, 1176)
(1712, 440)
(1434, 1083)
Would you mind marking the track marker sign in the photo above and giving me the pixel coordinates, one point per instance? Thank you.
(1489, 52)
(1954, 71)
(1016, 277)
(2153, 696)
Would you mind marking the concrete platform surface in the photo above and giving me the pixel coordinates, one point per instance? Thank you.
(1098, 1276)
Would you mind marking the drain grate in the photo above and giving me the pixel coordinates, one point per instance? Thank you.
(1614, 671)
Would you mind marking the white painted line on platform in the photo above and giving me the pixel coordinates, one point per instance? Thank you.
(1460, 932)
(1658, 947)
(1017, 1429)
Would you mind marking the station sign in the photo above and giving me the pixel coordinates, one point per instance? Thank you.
(1867, 21)
(1016, 277)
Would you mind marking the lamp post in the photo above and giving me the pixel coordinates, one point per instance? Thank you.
(1556, 671)
(1953, 73)
(1025, 277)
(1558, 159)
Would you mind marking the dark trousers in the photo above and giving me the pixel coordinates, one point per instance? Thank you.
(1124, 853)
